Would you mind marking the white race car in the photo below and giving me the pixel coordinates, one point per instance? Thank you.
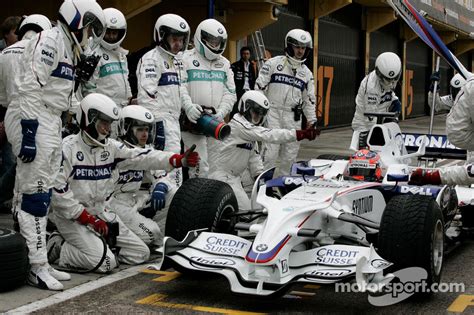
(315, 226)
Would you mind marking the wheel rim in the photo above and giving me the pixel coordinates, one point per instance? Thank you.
(438, 247)
(226, 222)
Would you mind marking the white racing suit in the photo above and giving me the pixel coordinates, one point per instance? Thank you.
(210, 83)
(238, 152)
(128, 199)
(446, 103)
(460, 120)
(286, 87)
(111, 78)
(45, 87)
(371, 97)
(86, 182)
(10, 67)
(457, 175)
(159, 91)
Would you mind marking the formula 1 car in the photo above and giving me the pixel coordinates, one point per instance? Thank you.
(315, 226)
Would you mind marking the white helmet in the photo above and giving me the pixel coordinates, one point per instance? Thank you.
(298, 38)
(388, 68)
(114, 20)
(210, 39)
(254, 105)
(455, 85)
(171, 24)
(95, 107)
(33, 22)
(77, 17)
(131, 118)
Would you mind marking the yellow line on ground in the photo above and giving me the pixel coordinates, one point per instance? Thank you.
(166, 275)
(461, 303)
(155, 272)
(312, 286)
(157, 300)
(167, 278)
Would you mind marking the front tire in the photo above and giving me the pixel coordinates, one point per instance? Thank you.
(201, 203)
(412, 235)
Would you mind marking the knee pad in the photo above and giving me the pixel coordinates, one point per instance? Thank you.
(36, 204)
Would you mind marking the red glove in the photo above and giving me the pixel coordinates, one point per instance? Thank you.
(187, 159)
(99, 225)
(423, 177)
(309, 134)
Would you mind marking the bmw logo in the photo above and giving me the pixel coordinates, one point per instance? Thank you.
(456, 82)
(391, 73)
(105, 56)
(196, 63)
(113, 20)
(167, 66)
(261, 247)
(279, 67)
(182, 25)
(148, 115)
(115, 111)
(80, 156)
(220, 31)
(265, 103)
(303, 37)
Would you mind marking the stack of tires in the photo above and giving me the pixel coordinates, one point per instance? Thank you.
(13, 260)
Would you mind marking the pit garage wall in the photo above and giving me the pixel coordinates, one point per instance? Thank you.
(340, 66)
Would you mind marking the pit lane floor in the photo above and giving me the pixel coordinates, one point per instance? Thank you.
(138, 290)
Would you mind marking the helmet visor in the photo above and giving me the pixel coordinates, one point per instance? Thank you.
(138, 133)
(297, 43)
(95, 29)
(386, 81)
(113, 35)
(94, 23)
(254, 112)
(95, 115)
(215, 43)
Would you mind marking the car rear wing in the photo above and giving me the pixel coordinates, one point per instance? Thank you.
(438, 147)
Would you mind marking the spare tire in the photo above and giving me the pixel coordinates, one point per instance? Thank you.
(333, 157)
(412, 235)
(201, 203)
(13, 260)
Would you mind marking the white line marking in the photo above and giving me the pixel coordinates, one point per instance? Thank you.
(78, 290)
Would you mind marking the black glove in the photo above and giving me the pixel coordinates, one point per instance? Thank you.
(435, 77)
(363, 139)
(86, 67)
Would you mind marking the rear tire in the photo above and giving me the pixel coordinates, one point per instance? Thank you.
(412, 235)
(13, 260)
(201, 203)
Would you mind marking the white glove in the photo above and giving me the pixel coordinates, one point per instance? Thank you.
(193, 111)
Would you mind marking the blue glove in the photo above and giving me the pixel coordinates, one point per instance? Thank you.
(158, 196)
(28, 144)
(395, 107)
